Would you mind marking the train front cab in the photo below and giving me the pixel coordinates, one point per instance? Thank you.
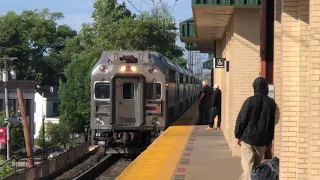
(135, 107)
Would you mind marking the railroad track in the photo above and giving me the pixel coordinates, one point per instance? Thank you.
(96, 170)
(97, 166)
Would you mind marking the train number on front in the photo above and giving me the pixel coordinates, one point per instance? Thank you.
(127, 120)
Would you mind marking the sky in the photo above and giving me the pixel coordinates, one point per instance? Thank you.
(77, 12)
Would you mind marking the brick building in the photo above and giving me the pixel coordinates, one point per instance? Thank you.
(231, 30)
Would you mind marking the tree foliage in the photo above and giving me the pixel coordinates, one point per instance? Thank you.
(5, 169)
(114, 28)
(37, 41)
(16, 132)
(54, 135)
(39, 44)
(181, 62)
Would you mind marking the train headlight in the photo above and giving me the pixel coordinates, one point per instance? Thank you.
(152, 69)
(123, 68)
(100, 120)
(155, 121)
(133, 68)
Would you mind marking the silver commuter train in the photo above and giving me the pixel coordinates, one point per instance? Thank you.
(137, 94)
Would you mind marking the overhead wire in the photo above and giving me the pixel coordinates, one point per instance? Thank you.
(152, 4)
(131, 3)
(160, 16)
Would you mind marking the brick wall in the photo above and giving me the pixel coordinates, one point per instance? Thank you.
(277, 75)
(219, 78)
(314, 92)
(290, 79)
(241, 48)
(303, 23)
(297, 81)
(294, 90)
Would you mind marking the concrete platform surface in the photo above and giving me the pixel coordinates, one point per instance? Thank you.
(207, 157)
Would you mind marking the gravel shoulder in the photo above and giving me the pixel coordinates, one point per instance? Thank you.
(114, 171)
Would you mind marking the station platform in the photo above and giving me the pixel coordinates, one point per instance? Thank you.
(185, 152)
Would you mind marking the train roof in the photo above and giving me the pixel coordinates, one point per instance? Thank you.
(142, 57)
(163, 59)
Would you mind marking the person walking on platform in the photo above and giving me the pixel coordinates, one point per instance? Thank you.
(216, 107)
(205, 103)
(254, 128)
(199, 108)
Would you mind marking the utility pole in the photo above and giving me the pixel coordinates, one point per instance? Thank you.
(6, 99)
(26, 131)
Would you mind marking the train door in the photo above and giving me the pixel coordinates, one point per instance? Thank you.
(128, 95)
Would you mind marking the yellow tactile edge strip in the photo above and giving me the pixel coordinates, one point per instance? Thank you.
(159, 160)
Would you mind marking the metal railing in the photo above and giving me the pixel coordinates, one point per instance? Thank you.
(48, 161)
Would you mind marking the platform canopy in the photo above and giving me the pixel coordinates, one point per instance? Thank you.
(209, 22)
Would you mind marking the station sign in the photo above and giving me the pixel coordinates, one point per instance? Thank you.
(2, 135)
(219, 62)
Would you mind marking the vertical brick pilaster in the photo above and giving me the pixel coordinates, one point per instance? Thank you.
(290, 82)
(314, 92)
(294, 101)
(277, 75)
(245, 62)
(220, 79)
(303, 23)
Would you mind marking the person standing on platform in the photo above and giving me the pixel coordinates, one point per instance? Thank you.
(254, 128)
(216, 107)
(199, 108)
(205, 103)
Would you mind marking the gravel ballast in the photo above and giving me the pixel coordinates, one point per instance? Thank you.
(82, 167)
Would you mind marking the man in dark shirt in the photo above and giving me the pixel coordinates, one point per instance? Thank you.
(205, 102)
(216, 107)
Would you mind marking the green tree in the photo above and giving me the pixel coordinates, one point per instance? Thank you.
(181, 62)
(75, 92)
(6, 169)
(55, 134)
(163, 30)
(114, 28)
(37, 41)
(16, 132)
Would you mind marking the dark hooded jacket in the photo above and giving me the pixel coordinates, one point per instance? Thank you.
(216, 95)
(256, 119)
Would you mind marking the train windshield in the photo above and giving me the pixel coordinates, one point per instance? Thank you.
(153, 90)
(128, 91)
(102, 91)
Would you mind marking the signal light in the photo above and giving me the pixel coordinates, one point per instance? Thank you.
(104, 68)
(152, 69)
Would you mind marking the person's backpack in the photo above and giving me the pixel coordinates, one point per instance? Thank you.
(268, 170)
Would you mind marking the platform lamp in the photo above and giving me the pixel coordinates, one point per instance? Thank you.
(43, 129)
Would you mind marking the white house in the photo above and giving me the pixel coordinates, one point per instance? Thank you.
(27, 88)
(47, 104)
